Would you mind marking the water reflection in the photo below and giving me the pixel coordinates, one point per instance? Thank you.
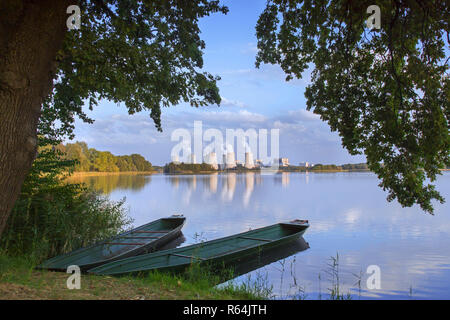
(282, 178)
(107, 183)
(348, 214)
(213, 182)
(209, 182)
(249, 186)
(228, 187)
(267, 257)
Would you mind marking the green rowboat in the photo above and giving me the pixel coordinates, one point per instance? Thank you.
(144, 239)
(223, 250)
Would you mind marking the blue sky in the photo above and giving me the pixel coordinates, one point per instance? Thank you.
(251, 98)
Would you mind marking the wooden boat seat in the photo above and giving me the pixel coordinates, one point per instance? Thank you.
(258, 239)
(184, 256)
(160, 231)
(139, 237)
(125, 243)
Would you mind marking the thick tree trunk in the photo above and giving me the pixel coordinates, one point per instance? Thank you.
(31, 33)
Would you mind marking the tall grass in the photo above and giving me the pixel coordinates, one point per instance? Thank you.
(333, 271)
(259, 286)
(61, 220)
(220, 277)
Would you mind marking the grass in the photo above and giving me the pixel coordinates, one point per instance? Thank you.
(19, 280)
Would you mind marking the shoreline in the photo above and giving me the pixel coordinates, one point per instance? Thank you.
(94, 174)
(20, 280)
(103, 173)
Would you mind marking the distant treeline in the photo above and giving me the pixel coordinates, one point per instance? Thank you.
(349, 166)
(355, 166)
(328, 167)
(187, 167)
(92, 160)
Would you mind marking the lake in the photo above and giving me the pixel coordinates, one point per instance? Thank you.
(350, 220)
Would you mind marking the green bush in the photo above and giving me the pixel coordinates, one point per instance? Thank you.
(52, 217)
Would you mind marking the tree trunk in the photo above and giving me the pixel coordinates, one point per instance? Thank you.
(31, 33)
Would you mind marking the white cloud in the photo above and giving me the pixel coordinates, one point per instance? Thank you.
(232, 103)
(304, 115)
(250, 48)
(269, 72)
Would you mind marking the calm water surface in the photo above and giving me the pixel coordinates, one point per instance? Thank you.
(348, 214)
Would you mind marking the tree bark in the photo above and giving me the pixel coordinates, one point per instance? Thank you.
(31, 33)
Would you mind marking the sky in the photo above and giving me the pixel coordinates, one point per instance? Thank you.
(251, 99)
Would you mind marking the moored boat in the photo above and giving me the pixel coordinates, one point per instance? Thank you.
(144, 239)
(223, 250)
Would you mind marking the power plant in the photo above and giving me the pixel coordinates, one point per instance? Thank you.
(193, 158)
(249, 160)
(230, 161)
(211, 159)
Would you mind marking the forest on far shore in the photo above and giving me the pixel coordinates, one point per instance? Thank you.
(92, 160)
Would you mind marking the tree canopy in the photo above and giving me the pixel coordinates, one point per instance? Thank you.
(146, 54)
(385, 91)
